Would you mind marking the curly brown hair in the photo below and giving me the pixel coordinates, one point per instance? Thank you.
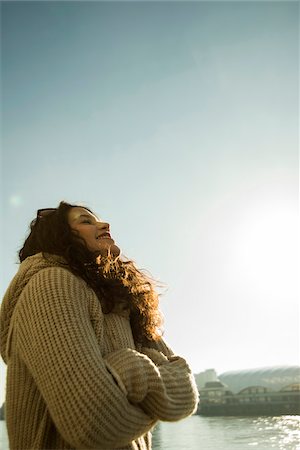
(115, 280)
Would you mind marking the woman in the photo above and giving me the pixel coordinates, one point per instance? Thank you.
(80, 334)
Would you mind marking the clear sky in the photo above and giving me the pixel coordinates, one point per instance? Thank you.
(178, 124)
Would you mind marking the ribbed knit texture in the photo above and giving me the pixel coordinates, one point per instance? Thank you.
(75, 378)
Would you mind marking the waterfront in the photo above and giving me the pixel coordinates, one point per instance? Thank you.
(227, 433)
(220, 433)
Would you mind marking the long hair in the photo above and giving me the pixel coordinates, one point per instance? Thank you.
(115, 280)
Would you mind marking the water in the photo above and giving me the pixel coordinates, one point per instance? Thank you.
(3, 436)
(227, 433)
(220, 433)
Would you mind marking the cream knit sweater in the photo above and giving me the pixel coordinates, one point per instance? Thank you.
(75, 379)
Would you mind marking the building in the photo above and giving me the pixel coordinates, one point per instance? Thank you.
(262, 391)
(202, 378)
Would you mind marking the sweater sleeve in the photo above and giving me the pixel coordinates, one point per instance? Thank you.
(56, 340)
(164, 387)
(179, 394)
(160, 345)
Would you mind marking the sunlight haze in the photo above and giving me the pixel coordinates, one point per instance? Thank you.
(176, 122)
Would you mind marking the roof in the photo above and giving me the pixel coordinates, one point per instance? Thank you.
(213, 384)
(273, 378)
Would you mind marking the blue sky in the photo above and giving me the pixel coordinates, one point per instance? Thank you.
(178, 124)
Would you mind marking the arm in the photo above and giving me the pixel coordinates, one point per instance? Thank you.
(180, 397)
(57, 342)
(159, 345)
(163, 386)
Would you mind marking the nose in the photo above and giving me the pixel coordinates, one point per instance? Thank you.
(103, 226)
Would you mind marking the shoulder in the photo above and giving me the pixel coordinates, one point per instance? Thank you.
(58, 290)
(57, 277)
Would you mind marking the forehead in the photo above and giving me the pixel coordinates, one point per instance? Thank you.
(77, 212)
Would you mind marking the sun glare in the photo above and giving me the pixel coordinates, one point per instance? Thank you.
(265, 247)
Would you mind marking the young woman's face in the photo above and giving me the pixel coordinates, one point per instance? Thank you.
(94, 232)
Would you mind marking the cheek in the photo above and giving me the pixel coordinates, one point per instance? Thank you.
(84, 234)
(88, 237)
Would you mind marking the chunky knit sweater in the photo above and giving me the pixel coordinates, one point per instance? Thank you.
(75, 378)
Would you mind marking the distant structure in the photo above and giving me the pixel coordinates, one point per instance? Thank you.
(208, 376)
(263, 391)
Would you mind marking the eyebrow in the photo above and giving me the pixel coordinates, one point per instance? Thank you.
(88, 216)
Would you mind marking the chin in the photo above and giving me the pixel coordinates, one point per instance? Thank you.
(114, 250)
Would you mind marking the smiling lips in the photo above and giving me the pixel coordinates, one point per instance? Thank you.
(104, 236)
